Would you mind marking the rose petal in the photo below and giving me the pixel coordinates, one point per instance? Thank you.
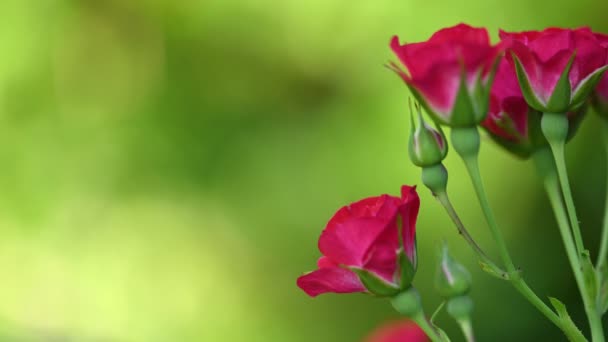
(332, 279)
(347, 243)
(398, 331)
(409, 213)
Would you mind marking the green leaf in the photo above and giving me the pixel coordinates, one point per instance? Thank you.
(570, 329)
(375, 285)
(493, 271)
(559, 102)
(581, 93)
(526, 88)
(589, 274)
(602, 299)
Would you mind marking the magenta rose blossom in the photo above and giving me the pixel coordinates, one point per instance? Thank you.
(361, 247)
(398, 331)
(450, 73)
(542, 58)
(511, 122)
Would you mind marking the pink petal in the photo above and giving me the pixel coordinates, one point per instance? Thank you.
(461, 33)
(325, 262)
(334, 279)
(347, 243)
(381, 257)
(398, 331)
(409, 213)
(590, 56)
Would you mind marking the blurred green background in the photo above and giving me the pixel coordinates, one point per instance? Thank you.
(167, 167)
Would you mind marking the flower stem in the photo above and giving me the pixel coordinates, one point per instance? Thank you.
(555, 128)
(603, 253)
(429, 330)
(443, 198)
(466, 144)
(467, 329)
(546, 170)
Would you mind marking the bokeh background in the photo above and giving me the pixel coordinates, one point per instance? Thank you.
(167, 166)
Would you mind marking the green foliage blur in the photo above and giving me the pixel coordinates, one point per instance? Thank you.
(167, 168)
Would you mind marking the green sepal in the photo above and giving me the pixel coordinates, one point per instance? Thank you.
(572, 332)
(526, 88)
(375, 285)
(584, 89)
(407, 270)
(481, 95)
(560, 100)
(463, 111)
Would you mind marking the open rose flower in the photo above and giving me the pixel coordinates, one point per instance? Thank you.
(450, 74)
(398, 331)
(368, 246)
(557, 68)
(511, 122)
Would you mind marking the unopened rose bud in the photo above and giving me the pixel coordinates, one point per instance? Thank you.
(427, 146)
(452, 278)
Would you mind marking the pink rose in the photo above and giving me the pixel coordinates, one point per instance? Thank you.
(542, 58)
(361, 247)
(450, 73)
(511, 122)
(398, 331)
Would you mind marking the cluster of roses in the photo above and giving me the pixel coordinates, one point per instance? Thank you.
(462, 81)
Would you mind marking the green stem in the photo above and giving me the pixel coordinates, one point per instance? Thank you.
(557, 148)
(467, 329)
(429, 330)
(547, 172)
(473, 170)
(466, 144)
(443, 198)
(601, 257)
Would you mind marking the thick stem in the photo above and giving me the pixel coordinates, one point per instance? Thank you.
(555, 129)
(466, 144)
(547, 173)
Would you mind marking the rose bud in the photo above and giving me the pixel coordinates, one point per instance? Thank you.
(398, 331)
(511, 122)
(452, 278)
(368, 246)
(557, 68)
(450, 74)
(427, 146)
